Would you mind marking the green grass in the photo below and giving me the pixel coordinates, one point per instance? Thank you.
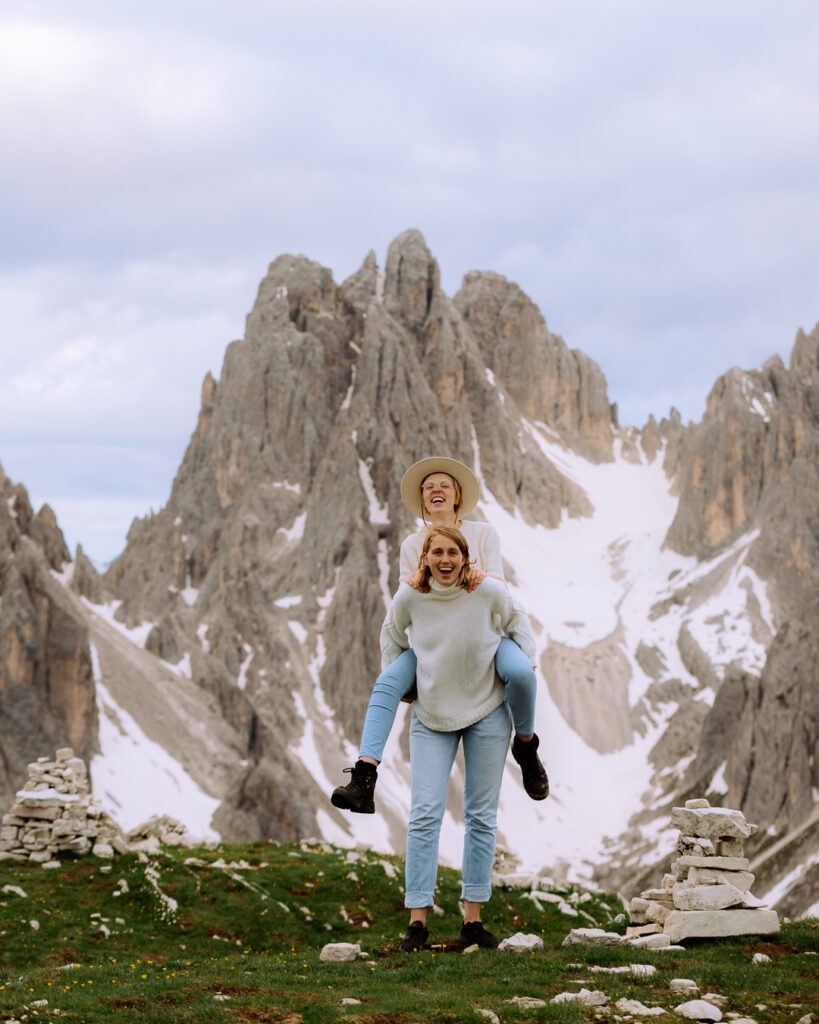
(253, 934)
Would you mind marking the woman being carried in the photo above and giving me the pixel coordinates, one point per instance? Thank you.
(460, 699)
(440, 491)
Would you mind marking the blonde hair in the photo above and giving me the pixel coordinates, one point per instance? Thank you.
(453, 534)
(459, 494)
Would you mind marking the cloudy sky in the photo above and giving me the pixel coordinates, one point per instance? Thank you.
(648, 172)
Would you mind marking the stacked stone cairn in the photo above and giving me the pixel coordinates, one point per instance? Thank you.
(707, 893)
(55, 813)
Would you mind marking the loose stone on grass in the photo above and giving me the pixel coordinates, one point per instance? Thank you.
(521, 942)
(340, 952)
(591, 937)
(489, 1015)
(526, 1002)
(634, 1006)
(683, 987)
(699, 1009)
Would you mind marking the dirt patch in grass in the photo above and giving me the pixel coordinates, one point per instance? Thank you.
(388, 1018)
(126, 1003)
(67, 955)
(222, 933)
(249, 1016)
(774, 950)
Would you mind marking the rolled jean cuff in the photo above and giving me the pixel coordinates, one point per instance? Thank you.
(475, 893)
(415, 900)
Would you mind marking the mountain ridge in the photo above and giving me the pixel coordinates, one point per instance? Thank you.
(261, 584)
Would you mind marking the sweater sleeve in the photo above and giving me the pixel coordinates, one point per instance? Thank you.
(492, 563)
(515, 623)
(408, 556)
(394, 638)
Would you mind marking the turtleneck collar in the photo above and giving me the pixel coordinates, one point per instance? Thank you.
(443, 591)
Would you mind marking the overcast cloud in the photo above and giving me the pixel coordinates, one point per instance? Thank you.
(648, 172)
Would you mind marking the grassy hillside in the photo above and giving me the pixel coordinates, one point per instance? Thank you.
(233, 934)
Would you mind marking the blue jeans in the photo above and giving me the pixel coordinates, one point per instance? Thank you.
(397, 679)
(431, 756)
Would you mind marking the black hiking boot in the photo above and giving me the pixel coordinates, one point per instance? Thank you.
(535, 779)
(357, 795)
(413, 941)
(474, 934)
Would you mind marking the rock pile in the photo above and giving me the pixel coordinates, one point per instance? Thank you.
(707, 893)
(54, 813)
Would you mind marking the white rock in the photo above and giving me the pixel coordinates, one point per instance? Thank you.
(760, 958)
(526, 1002)
(564, 997)
(521, 942)
(15, 890)
(683, 986)
(340, 952)
(634, 1006)
(489, 1015)
(657, 912)
(723, 863)
(697, 802)
(687, 924)
(642, 970)
(103, 850)
(698, 1009)
(591, 937)
(650, 941)
(349, 1001)
(712, 822)
(707, 897)
(471, 949)
(514, 881)
(593, 998)
(708, 876)
(35, 925)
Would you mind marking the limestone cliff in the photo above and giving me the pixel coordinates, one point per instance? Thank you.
(46, 682)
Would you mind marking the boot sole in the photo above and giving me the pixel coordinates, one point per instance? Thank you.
(341, 800)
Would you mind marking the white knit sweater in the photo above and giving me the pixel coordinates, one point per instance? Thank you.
(455, 640)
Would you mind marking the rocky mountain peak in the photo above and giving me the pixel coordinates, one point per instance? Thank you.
(412, 281)
(757, 425)
(548, 382)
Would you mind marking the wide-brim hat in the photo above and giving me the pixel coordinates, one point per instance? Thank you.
(419, 471)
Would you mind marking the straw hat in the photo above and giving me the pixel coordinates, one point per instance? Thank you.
(417, 473)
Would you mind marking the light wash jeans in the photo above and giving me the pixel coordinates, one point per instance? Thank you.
(397, 680)
(431, 756)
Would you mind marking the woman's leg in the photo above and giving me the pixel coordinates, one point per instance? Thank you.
(516, 671)
(486, 744)
(431, 757)
(394, 683)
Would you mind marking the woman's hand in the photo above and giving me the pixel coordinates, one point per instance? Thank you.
(476, 577)
(413, 579)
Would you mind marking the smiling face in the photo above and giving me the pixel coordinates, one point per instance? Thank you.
(440, 494)
(445, 559)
